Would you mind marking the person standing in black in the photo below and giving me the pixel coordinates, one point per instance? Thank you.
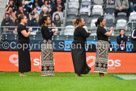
(23, 48)
(47, 63)
(78, 48)
(101, 63)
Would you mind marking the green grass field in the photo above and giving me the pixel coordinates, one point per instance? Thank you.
(11, 81)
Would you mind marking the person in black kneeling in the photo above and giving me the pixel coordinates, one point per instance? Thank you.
(122, 40)
(78, 48)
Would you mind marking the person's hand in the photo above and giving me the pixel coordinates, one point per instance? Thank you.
(111, 28)
(35, 10)
(89, 32)
(15, 12)
(48, 6)
(53, 31)
(120, 9)
(134, 5)
(30, 30)
(8, 4)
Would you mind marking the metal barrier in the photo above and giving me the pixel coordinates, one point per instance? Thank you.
(68, 30)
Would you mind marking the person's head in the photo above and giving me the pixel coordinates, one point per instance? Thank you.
(56, 17)
(45, 2)
(21, 8)
(51, 1)
(53, 24)
(7, 16)
(79, 21)
(100, 21)
(121, 31)
(10, 10)
(45, 10)
(36, 4)
(45, 20)
(59, 2)
(11, 2)
(59, 7)
(22, 2)
(32, 15)
(19, 14)
(22, 19)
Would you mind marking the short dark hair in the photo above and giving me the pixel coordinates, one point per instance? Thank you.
(41, 21)
(21, 17)
(120, 30)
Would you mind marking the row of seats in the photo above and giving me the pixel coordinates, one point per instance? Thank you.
(55, 37)
(83, 8)
(122, 22)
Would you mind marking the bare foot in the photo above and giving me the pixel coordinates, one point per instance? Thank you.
(48, 75)
(101, 74)
(77, 75)
(51, 75)
(22, 74)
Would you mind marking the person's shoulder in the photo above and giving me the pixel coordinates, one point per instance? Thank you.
(100, 28)
(78, 28)
(4, 20)
(21, 26)
(125, 36)
(103, 28)
(118, 36)
(10, 20)
(81, 27)
(44, 27)
(55, 12)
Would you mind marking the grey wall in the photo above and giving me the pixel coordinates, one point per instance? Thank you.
(2, 9)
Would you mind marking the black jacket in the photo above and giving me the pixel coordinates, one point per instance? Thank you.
(6, 22)
(134, 1)
(122, 42)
